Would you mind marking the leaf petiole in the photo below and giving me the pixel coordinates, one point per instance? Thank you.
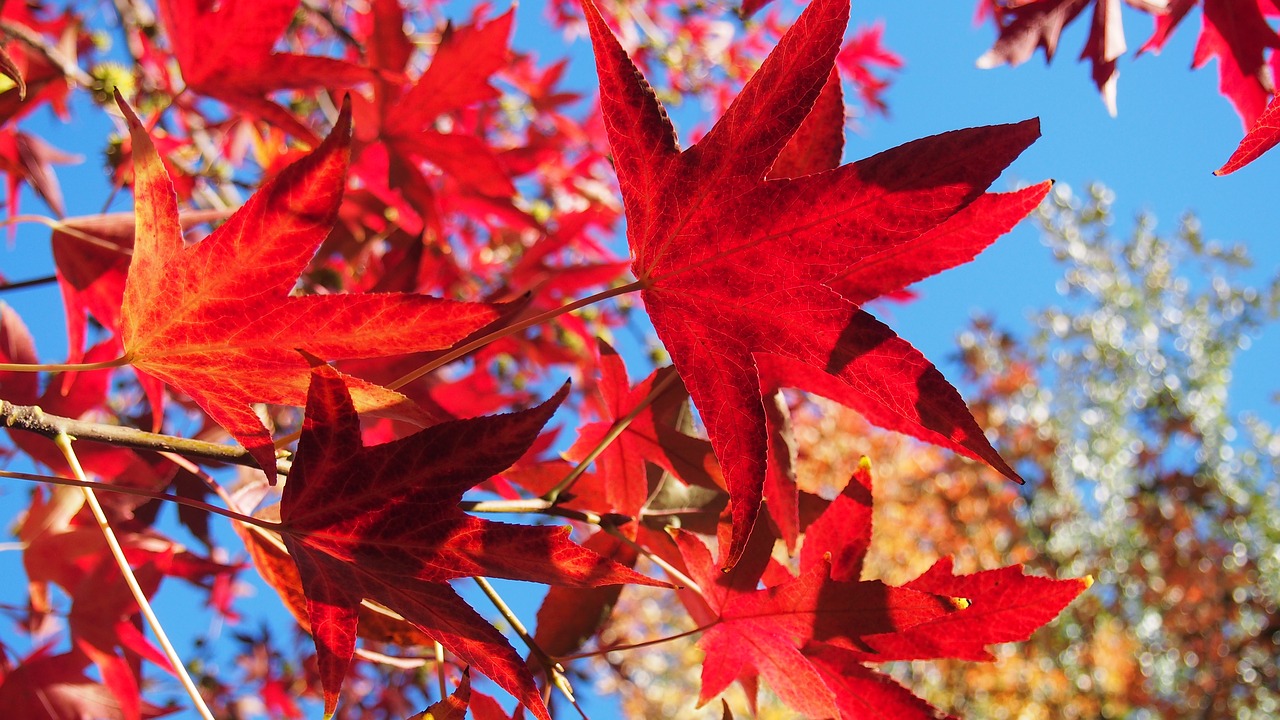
(619, 426)
(553, 669)
(494, 336)
(637, 646)
(64, 444)
(65, 367)
(513, 329)
(66, 229)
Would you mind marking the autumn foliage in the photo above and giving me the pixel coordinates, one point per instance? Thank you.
(373, 293)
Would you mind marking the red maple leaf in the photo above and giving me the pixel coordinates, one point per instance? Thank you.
(217, 321)
(225, 51)
(55, 686)
(734, 267)
(808, 635)
(815, 147)
(383, 522)
(1237, 33)
(27, 158)
(621, 468)
(397, 128)
(1025, 26)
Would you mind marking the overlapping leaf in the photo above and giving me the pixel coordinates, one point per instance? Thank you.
(383, 523)
(217, 320)
(807, 636)
(398, 130)
(735, 267)
(1237, 35)
(621, 467)
(1234, 32)
(1025, 26)
(225, 51)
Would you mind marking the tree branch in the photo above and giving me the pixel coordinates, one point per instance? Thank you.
(40, 44)
(31, 418)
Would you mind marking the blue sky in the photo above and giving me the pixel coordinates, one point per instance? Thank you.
(1172, 130)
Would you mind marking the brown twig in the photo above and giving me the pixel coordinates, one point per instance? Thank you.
(33, 282)
(31, 418)
(51, 53)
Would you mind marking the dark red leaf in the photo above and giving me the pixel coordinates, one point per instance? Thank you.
(383, 523)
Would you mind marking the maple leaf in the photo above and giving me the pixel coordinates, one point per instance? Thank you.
(225, 51)
(621, 467)
(26, 158)
(55, 686)
(815, 147)
(763, 632)
(734, 267)
(453, 707)
(1264, 135)
(382, 522)
(217, 321)
(1237, 33)
(1025, 26)
(807, 635)
(398, 128)
(864, 50)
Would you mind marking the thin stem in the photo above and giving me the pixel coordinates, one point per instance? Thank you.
(439, 653)
(404, 662)
(536, 505)
(637, 646)
(619, 426)
(24, 284)
(334, 25)
(494, 336)
(66, 229)
(511, 330)
(32, 419)
(64, 444)
(685, 581)
(65, 367)
(138, 492)
(67, 66)
(554, 670)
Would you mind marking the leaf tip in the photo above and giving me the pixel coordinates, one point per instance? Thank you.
(130, 117)
(343, 125)
(312, 360)
(1087, 581)
(1033, 124)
